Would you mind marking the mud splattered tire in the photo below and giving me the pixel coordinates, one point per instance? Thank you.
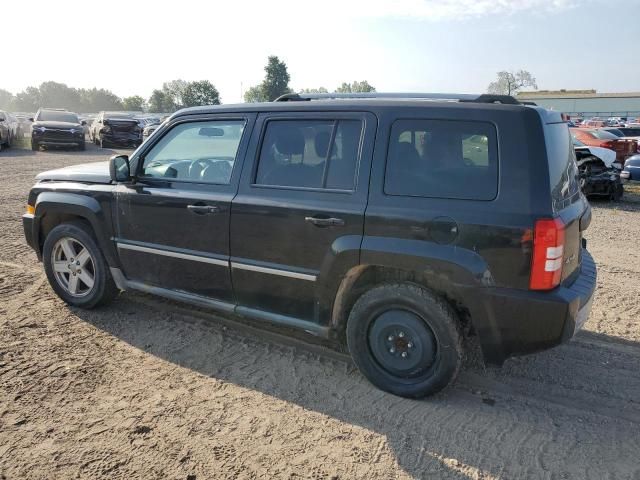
(405, 340)
(75, 266)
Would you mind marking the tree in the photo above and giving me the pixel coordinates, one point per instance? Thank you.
(27, 101)
(356, 87)
(275, 83)
(255, 94)
(161, 102)
(97, 99)
(59, 95)
(200, 93)
(6, 99)
(509, 83)
(174, 90)
(133, 104)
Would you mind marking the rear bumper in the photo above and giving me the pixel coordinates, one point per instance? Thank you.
(516, 322)
(121, 139)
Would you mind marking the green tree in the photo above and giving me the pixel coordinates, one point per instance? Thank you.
(6, 99)
(355, 87)
(275, 83)
(175, 90)
(161, 102)
(509, 83)
(133, 104)
(27, 101)
(59, 95)
(97, 99)
(200, 93)
(255, 94)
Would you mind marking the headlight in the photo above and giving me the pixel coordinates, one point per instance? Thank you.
(40, 129)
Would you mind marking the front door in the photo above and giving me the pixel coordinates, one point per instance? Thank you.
(297, 221)
(173, 220)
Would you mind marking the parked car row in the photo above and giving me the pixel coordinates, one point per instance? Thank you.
(9, 129)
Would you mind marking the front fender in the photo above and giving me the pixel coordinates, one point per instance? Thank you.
(88, 208)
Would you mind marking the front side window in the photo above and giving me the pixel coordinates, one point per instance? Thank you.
(442, 159)
(196, 151)
(319, 154)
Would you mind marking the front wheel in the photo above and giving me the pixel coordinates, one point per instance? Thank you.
(405, 340)
(75, 266)
(34, 146)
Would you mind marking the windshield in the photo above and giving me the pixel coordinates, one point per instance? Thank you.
(118, 116)
(53, 116)
(602, 135)
(615, 132)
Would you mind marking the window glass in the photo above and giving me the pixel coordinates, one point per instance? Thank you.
(310, 153)
(196, 151)
(57, 116)
(445, 159)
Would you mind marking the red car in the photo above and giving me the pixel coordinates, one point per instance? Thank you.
(593, 137)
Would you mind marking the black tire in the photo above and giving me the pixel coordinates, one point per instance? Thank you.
(103, 289)
(82, 146)
(102, 143)
(432, 342)
(34, 146)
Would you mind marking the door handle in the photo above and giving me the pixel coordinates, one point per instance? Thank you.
(324, 222)
(203, 209)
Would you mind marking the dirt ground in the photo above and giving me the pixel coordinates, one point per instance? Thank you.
(147, 388)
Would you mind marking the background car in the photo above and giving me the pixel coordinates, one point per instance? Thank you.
(631, 169)
(594, 137)
(57, 128)
(5, 130)
(115, 128)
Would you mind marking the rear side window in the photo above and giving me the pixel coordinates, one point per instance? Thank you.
(319, 154)
(442, 159)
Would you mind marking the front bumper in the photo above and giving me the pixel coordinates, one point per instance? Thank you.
(516, 322)
(58, 140)
(29, 226)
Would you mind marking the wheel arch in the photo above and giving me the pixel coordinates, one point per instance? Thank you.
(54, 208)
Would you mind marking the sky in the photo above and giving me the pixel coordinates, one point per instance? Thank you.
(131, 47)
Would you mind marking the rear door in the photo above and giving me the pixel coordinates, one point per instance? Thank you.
(173, 220)
(298, 217)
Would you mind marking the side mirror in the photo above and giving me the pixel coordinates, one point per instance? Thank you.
(31, 119)
(119, 168)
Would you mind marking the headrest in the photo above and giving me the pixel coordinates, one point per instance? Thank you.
(290, 142)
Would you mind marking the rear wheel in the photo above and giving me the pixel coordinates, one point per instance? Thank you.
(75, 266)
(35, 146)
(405, 340)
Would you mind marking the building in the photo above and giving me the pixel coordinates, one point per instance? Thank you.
(587, 103)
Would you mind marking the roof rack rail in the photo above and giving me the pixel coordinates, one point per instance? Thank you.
(460, 97)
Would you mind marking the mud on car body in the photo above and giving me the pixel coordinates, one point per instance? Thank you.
(386, 223)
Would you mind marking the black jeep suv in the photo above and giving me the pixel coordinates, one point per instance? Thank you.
(394, 224)
(57, 128)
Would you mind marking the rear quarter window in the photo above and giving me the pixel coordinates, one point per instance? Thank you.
(563, 170)
(442, 159)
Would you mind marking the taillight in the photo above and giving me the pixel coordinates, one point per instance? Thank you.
(607, 144)
(548, 254)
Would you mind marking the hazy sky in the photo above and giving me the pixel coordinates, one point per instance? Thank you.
(131, 47)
